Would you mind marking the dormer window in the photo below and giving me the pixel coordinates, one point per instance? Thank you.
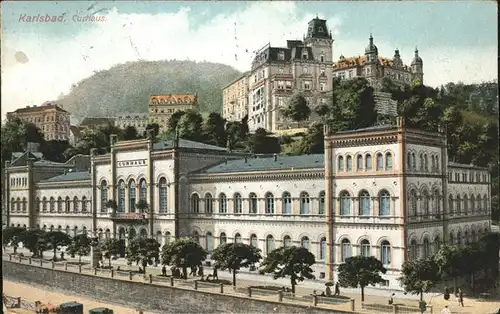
(304, 54)
(281, 55)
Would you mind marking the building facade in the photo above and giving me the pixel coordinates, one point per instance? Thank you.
(52, 120)
(93, 123)
(385, 191)
(235, 99)
(138, 120)
(161, 107)
(375, 68)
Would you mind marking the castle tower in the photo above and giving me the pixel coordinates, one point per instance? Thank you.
(319, 38)
(417, 68)
(372, 62)
(396, 61)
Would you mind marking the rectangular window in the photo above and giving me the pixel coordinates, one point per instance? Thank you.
(307, 85)
(365, 249)
(322, 87)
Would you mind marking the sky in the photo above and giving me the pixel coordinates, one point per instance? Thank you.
(41, 60)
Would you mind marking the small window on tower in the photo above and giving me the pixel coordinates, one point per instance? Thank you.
(281, 55)
(322, 58)
(304, 54)
(320, 29)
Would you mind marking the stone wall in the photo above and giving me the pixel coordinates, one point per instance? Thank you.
(147, 296)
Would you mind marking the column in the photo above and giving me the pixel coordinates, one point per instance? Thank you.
(112, 179)
(329, 205)
(355, 206)
(375, 206)
(150, 183)
(93, 185)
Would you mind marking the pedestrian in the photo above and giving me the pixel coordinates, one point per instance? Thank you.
(328, 291)
(164, 271)
(446, 294)
(446, 310)
(391, 299)
(214, 274)
(337, 289)
(200, 271)
(461, 297)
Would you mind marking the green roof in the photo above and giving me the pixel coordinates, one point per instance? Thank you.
(186, 144)
(70, 176)
(268, 163)
(370, 128)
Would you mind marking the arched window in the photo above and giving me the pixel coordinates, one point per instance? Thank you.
(237, 203)
(437, 244)
(196, 236)
(222, 203)
(163, 195)
(437, 163)
(346, 250)
(104, 195)
(384, 201)
(143, 233)
(18, 204)
(304, 203)
(341, 163)
(37, 205)
(322, 248)
(254, 241)
(209, 242)
(425, 204)
(287, 241)
(451, 208)
(269, 244)
(209, 203)
(12, 204)
(478, 203)
(121, 196)
(388, 161)
(385, 252)
(237, 238)
(413, 161)
(408, 161)
(422, 164)
(59, 204)
(459, 204)
(413, 250)
(380, 162)
(222, 238)
(368, 162)
(473, 235)
(52, 204)
(131, 196)
(75, 204)
(269, 200)
(254, 204)
(195, 203)
(466, 237)
(472, 203)
(436, 203)
(167, 238)
(359, 163)
(44, 204)
(84, 204)
(158, 237)
(349, 163)
(287, 203)
(345, 204)
(364, 203)
(427, 248)
(466, 204)
(426, 163)
(321, 201)
(365, 248)
(304, 242)
(143, 190)
(451, 238)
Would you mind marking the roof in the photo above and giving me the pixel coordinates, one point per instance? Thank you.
(173, 99)
(459, 165)
(290, 53)
(361, 60)
(92, 121)
(75, 130)
(186, 144)
(239, 77)
(133, 116)
(70, 176)
(370, 128)
(44, 106)
(269, 163)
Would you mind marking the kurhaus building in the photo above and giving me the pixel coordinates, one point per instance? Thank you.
(385, 191)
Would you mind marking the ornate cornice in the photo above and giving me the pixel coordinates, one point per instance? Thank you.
(277, 175)
(64, 184)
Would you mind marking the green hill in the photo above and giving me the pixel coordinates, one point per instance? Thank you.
(125, 88)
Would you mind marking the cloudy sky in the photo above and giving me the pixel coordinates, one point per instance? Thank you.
(41, 60)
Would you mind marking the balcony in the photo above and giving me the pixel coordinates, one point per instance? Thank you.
(129, 217)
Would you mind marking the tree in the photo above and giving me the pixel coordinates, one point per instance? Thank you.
(183, 253)
(80, 245)
(261, 143)
(152, 126)
(235, 256)
(174, 121)
(296, 108)
(214, 130)
(110, 247)
(419, 276)
(291, 261)
(12, 236)
(35, 241)
(237, 134)
(130, 133)
(143, 251)
(190, 126)
(56, 239)
(361, 271)
(449, 260)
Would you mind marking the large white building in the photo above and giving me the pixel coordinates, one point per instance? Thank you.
(386, 191)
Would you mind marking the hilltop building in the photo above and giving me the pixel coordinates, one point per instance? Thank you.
(138, 120)
(52, 120)
(92, 123)
(161, 107)
(385, 191)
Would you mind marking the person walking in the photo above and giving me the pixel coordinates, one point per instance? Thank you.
(337, 289)
(214, 273)
(164, 271)
(446, 310)
(461, 297)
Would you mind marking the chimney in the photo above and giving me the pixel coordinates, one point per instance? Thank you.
(246, 159)
(275, 157)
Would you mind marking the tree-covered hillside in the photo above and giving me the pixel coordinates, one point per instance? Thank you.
(125, 88)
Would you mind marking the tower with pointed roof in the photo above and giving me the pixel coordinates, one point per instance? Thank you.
(372, 61)
(417, 68)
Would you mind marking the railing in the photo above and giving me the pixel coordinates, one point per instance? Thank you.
(276, 294)
(395, 308)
